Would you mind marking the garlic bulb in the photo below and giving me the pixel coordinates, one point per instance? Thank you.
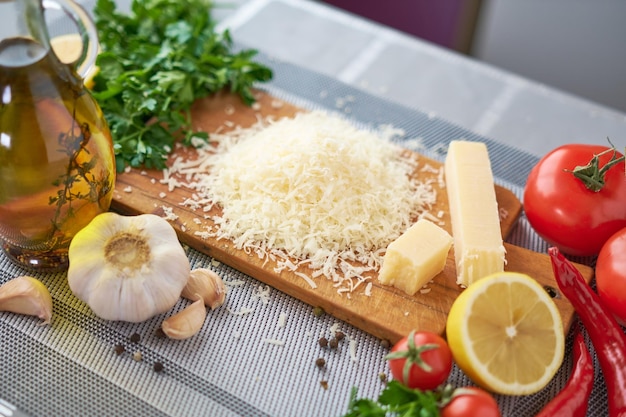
(26, 295)
(208, 285)
(127, 268)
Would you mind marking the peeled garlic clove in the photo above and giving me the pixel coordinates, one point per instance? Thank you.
(26, 295)
(208, 285)
(186, 323)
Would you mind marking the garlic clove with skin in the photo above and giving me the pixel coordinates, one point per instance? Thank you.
(187, 322)
(26, 295)
(208, 285)
(127, 268)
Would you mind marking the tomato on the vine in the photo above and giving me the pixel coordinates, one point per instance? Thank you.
(611, 275)
(421, 360)
(471, 402)
(575, 197)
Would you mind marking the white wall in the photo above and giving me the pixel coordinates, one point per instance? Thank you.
(574, 45)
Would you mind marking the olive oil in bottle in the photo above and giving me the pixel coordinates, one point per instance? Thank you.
(57, 168)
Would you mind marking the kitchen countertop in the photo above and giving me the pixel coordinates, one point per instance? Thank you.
(323, 58)
(405, 70)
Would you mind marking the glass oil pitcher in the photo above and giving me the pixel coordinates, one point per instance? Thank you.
(57, 169)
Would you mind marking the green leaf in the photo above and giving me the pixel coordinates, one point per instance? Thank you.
(398, 400)
(180, 31)
(155, 62)
(363, 407)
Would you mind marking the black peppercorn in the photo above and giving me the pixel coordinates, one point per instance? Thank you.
(334, 343)
(119, 349)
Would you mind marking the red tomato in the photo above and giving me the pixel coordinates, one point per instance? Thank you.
(421, 360)
(471, 402)
(567, 214)
(611, 275)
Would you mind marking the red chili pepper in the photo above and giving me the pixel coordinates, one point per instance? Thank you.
(606, 335)
(573, 399)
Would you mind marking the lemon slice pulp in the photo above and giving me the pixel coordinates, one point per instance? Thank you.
(67, 48)
(506, 334)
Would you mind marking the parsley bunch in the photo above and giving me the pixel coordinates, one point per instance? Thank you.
(154, 64)
(399, 400)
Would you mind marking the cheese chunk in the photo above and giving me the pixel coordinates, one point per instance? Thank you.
(416, 257)
(478, 247)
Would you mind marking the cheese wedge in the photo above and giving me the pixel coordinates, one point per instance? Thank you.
(478, 247)
(416, 257)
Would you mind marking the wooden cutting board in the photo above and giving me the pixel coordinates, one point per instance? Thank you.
(387, 313)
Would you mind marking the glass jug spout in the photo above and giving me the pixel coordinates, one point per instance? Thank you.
(87, 30)
(23, 20)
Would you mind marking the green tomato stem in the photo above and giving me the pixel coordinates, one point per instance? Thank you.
(592, 175)
(413, 356)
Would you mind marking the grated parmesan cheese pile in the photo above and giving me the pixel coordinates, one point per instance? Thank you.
(311, 190)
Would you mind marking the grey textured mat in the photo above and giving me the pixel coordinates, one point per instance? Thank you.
(231, 367)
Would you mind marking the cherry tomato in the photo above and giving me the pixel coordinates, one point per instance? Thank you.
(421, 360)
(471, 402)
(611, 275)
(567, 214)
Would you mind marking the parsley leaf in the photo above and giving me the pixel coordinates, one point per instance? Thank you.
(155, 62)
(398, 400)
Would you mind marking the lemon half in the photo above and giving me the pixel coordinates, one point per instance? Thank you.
(506, 334)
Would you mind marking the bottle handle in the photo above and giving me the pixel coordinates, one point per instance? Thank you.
(86, 28)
